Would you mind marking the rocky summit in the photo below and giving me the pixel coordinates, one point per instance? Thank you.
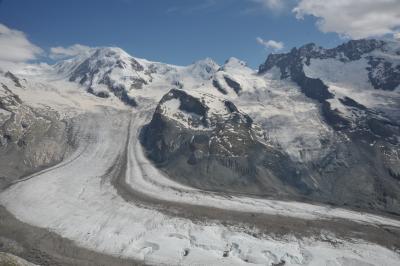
(206, 142)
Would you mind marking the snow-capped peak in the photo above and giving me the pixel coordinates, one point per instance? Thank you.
(234, 64)
(111, 52)
(206, 62)
(104, 70)
(99, 57)
(204, 68)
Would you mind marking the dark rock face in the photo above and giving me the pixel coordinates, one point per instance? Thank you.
(350, 51)
(382, 74)
(354, 49)
(13, 78)
(233, 84)
(352, 103)
(217, 151)
(218, 86)
(30, 138)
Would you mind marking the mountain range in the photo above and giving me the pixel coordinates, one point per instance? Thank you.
(313, 125)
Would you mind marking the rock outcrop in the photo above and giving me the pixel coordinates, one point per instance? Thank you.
(30, 138)
(206, 142)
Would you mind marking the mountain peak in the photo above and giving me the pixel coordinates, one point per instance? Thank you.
(234, 62)
(310, 47)
(109, 52)
(204, 68)
(206, 62)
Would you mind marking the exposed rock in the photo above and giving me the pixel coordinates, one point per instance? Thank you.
(208, 143)
(233, 84)
(382, 73)
(218, 86)
(16, 81)
(30, 138)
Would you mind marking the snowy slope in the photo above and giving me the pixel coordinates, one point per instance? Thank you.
(367, 71)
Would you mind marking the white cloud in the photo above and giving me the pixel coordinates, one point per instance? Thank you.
(353, 18)
(60, 52)
(270, 44)
(15, 47)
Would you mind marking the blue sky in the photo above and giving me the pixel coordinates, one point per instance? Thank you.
(171, 31)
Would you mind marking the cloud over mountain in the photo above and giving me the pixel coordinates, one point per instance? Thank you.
(60, 52)
(270, 44)
(353, 19)
(15, 46)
